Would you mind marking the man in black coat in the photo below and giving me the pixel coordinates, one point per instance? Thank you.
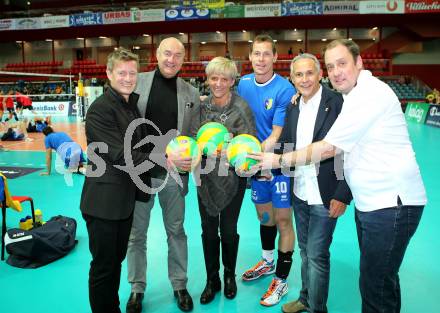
(320, 194)
(109, 192)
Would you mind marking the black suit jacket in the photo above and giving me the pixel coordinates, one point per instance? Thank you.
(329, 108)
(111, 195)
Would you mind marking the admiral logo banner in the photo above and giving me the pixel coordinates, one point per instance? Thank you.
(55, 21)
(262, 10)
(152, 15)
(27, 23)
(116, 17)
(382, 7)
(85, 19)
(302, 8)
(341, 7)
(422, 6)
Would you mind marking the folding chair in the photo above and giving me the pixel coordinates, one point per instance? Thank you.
(14, 202)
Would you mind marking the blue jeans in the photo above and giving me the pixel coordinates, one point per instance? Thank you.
(314, 230)
(383, 237)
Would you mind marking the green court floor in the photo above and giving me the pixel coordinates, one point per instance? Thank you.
(62, 286)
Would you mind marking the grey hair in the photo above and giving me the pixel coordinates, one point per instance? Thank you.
(306, 56)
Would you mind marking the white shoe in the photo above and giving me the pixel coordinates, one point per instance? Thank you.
(261, 268)
(277, 289)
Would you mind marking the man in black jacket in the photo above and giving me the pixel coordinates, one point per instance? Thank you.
(319, 197)
(109, 192)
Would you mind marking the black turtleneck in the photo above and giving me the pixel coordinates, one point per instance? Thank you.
(162, 103)
(162, 108)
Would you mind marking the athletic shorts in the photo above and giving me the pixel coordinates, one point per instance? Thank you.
(276, 190)
(29, 107)
(10, 110)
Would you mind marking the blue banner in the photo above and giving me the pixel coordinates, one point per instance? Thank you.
(301, 8)
(85, 19)
(186, 14)
(433, 116)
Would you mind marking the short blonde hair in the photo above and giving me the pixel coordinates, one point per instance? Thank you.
(121, 54)
(222, 66)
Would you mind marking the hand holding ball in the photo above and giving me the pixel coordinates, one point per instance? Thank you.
(187, 152)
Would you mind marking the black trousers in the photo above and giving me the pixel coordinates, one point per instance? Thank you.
(227, 219)
(108, 240)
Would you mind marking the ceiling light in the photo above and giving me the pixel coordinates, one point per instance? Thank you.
(350, 39)
(299, 40)
(146, 35)
(19, 41)
(324, 39)
(203, 42)
(181, 34)
(102, 37)
(250, 41)
(136, 47)
(275, 40)
(218, 32)
(335, 28)
(375, 27)
(49, 39)
(294, 30)
(243, 30)
(374, 39)
(80, 38)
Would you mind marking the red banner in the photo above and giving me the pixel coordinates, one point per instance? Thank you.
(422, 6)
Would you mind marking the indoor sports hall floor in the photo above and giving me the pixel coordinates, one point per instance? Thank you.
(62, 286)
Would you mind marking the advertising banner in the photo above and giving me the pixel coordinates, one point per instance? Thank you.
(382, 7)
(116, 17)
(27, 23)
(262, 10)
(422, 6)
(416, 112)
(302, 8)
(186, 14)
(54, 21)
(59, 108)
(340, 7)
(152, 15)
(86, 19)
(229, 11)
(7, 24)
(210, 4)
(433, 116)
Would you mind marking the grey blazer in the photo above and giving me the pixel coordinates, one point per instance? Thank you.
(188, 102)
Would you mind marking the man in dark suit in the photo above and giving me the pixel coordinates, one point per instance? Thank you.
(171, 104)
(109, 194)
(318, 196)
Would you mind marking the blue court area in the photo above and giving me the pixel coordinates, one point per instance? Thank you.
(62, 286)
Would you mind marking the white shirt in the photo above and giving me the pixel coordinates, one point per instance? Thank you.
(380, 163)
(305, 184)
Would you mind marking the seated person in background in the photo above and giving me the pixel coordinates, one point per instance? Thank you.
(13, 131)
(68, 150)
(37, 124)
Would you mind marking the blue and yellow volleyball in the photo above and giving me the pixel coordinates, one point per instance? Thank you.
(187, 147)
(211, 137)
(238, 149)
